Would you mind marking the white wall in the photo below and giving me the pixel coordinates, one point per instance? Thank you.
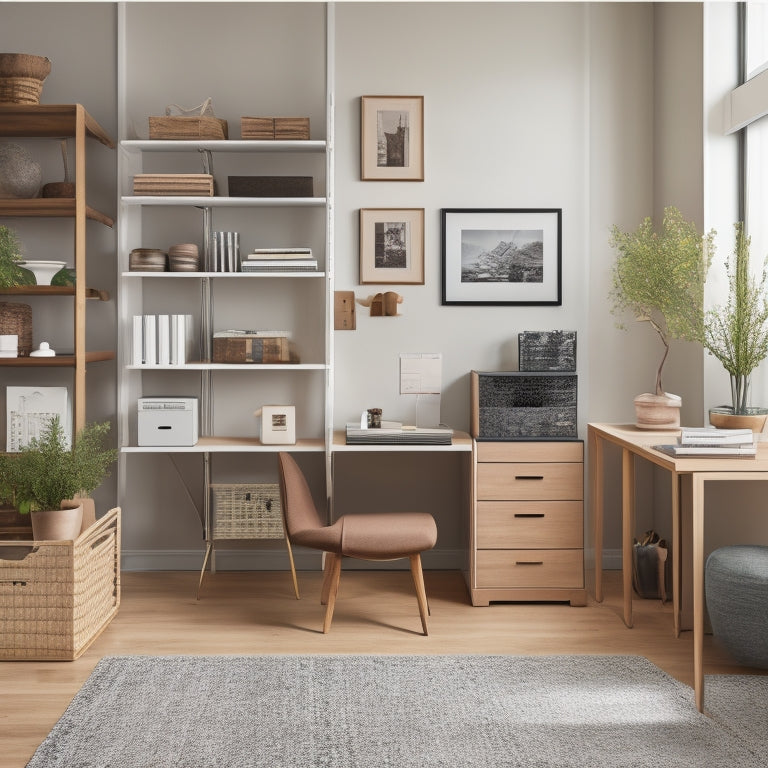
(563, 105)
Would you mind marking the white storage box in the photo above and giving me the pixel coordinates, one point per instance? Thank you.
(167, 421)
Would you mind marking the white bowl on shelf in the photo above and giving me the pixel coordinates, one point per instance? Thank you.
(43, 270)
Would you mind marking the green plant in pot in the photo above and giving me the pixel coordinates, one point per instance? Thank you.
(45, 477)
(10, 255)
(659, 278)
(736, 333)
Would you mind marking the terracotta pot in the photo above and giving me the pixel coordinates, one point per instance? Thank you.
(657, 411)
(58, 524)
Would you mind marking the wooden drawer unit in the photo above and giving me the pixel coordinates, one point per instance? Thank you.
(528, 522)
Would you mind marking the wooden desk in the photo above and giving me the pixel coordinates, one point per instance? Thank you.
(638, 442)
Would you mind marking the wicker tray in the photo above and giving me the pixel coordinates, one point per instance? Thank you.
(57, 597)
(243, 511)
(16, 319)
(187, 128)
(189, 184)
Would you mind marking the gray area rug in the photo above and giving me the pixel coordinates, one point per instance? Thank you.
(387, 711)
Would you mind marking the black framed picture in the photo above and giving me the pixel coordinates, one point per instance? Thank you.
(502, 256)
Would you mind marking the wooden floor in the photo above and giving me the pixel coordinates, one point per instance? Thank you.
(376, 612)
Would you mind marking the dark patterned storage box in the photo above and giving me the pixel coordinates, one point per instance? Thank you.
(512, 405)
(547, 350)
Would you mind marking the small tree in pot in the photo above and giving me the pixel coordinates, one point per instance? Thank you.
(46, 475)
(736, 333)
(659, 277)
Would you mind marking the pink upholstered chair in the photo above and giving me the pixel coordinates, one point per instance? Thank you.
(374, 536)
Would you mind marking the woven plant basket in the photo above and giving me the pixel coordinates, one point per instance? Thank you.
(16, 319)
(21, 77)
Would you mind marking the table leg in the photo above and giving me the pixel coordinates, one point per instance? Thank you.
(698, 590)
(675, 553)
(627, 528)
(596, 468)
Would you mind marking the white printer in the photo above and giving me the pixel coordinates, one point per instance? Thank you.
(167, 421)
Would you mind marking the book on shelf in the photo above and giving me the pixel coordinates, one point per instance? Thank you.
(225, 251)
(278, 265)
(689, 451)
(163, 339)
(715, 436)
(398, 435)
(256, 334)
(296, 254)
(149, 356)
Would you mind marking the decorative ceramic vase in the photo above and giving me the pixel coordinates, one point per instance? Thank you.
(657, 411)
(58, 524)
(20, 175)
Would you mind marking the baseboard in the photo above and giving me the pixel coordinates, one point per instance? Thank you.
(272, 560)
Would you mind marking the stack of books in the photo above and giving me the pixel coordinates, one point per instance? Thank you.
(392, 433)
(279, 260)
(711, 441)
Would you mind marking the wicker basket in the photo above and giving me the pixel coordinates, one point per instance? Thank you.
(16, 319)
(242, 511)
(56, 597)
(21, 77)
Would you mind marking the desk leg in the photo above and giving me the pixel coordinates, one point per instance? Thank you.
(675, 553)
(627, 528)
(698, 590)
(596, 468)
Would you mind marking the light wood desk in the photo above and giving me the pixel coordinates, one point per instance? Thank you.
(638, 442)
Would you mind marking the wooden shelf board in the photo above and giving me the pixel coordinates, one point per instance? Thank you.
(49, 206)
(229, 445)
(59, 361)
(48, 121)
(225, 145)
(53, 290)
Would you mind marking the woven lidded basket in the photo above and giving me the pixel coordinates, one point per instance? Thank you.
(247, 511)
(16, 319)
(21, 77)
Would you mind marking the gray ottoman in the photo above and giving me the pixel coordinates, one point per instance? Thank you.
(736, 582)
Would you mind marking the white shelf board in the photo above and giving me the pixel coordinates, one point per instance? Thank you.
(224, 202)
(223, 145)
(248, 275)
(228, 445)
(232, 367)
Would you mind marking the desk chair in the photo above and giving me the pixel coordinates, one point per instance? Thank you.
(375, 536)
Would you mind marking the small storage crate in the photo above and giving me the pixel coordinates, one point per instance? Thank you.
(57, 597)
(243, 511)
(547, 350)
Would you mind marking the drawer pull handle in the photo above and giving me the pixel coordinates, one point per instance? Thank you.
(529, 562)
(529, 477)
(529, 514)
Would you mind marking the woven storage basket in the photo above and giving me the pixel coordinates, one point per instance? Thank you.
(16, 319)
(21, 77)
(242, 511)
(57, 599)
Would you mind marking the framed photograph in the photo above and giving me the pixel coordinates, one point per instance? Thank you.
(502, 256)
(392, 138)
(392, 246)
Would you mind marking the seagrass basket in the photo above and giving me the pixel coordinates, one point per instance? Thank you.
(16, 318)
(21, 77)
(247, 511)
(57, 597)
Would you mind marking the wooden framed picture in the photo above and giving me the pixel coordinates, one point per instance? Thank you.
(392, 138)
(392, 246)
(502, 256)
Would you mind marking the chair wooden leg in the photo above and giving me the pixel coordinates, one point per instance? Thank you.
(293, 567)
(421, 592)
(327, 573)
(335, 576)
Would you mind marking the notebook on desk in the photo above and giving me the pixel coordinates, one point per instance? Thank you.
(398, 435)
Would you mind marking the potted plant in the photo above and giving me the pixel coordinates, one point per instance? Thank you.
(46, 476)
(736, 333)
(659, 277)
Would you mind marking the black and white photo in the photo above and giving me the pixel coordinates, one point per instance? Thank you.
(392, 138)
(392, 245)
